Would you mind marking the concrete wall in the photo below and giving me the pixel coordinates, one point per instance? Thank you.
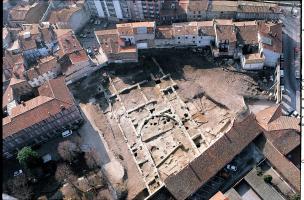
(185, 40)
(251, 66)
(204, 40)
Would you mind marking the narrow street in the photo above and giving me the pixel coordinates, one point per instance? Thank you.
(291, 39)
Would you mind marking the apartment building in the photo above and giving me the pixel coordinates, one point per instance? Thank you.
(270, 42)
(110, 9)
(32, 121)
(247, 41)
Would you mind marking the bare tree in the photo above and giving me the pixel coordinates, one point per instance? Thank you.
(68, 150)
(64, 173)
(92, 159)
(20, 188)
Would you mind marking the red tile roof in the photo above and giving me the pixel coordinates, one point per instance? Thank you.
(68, 43)
(272, 119)
(219, 196)
(282, 165)
(78, 56)
(272, 31)
(47, 64)
(195, 5)
(218, 154)
(52, 96)
(8, 95)
(62, 15)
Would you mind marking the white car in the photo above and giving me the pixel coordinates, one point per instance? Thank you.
(66, 133)
(282, 88)
(282, 73)
(18, 173)
(231, 167)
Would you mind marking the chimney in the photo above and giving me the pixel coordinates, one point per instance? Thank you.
(23, 103)
(62, 107)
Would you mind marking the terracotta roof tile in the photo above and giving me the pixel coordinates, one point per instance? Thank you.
(46, 64)
(195, 5)
(52, 95)
(187, 28)
(272, 31)
(282, 165)
(271, 119)
(68, 43)
(164, 32)
(219, 196)
(62, 15)
(205, 28)
(219, 154)
(224, 6)
(283, 140)
(78, 56)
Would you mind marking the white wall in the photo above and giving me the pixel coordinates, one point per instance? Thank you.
(271, 58)
(204, 40)
(42, 78)
(251, 66)
(99, 9)
(118, 10)
(185, 40)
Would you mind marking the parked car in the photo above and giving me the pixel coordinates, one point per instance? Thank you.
(283, 89)
(282, 73)
(18, 173)
(66, 133)
(293, 113)
(298, 74)
(231, 167)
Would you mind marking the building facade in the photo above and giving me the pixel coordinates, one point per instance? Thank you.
(37, 120)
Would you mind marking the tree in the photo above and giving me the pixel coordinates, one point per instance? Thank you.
(27, 157)
(68, 150)
(92, 159)
(295, 197)
(64, 173)
(20, 188)
(267, 178)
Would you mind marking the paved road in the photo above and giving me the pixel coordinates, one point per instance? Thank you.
(291, 39)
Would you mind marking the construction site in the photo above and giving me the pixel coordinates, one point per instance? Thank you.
(159, 115)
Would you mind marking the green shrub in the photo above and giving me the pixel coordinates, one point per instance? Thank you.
(267, 178)
(295, 197)
(28, 157)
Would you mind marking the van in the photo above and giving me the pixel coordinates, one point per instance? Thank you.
(66, 133)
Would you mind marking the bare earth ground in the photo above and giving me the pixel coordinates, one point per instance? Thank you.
(117, 150)
(200, 82)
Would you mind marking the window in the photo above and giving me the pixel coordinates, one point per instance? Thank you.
(178, 42)
(193, 37)
(186, 37)
(178, 37)
(193, 42)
